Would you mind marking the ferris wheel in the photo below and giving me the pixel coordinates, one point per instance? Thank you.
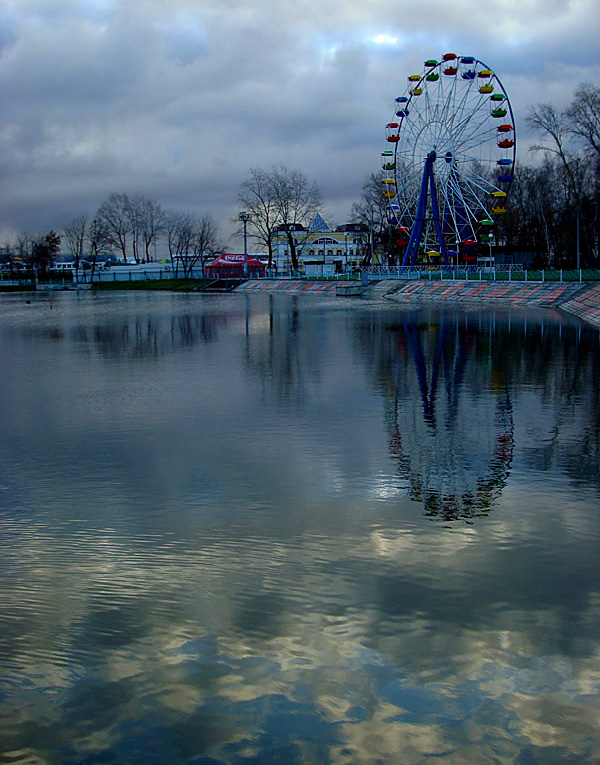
(451, 162)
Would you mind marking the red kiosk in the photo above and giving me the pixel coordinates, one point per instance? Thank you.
(228, 266)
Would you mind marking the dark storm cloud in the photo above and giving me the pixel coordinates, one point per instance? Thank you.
(177, 103)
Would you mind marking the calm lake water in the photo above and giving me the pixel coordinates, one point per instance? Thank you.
(291, 529)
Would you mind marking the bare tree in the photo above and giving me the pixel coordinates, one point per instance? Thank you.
(372, 211)
(583, 116)
(74, 237)
(98, 238)
(204, 243)
(22, 247)
(296, 202)
(256, 196)
(172, 223)
(551, 124)
(534, 216)
(179, 230)
(115, 213)
(152, 222)
(134, 211)
(554, 127)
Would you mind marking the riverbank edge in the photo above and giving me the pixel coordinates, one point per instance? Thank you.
(581, 299)
(578, 299)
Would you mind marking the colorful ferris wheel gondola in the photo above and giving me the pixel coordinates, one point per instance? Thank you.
(505, 136)
(505, 170)
(467, 68)
(388, 164)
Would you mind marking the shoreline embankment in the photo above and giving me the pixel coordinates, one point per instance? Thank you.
(578, 298)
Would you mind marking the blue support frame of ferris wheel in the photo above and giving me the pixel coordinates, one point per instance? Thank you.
(427, 183)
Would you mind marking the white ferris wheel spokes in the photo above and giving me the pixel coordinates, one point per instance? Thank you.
(447, 177)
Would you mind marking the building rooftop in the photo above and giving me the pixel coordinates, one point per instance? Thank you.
(318, 224)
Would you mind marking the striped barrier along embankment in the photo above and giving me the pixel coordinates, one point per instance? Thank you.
(288, 285)
(582, 300)
(531, 293)
(586, 305)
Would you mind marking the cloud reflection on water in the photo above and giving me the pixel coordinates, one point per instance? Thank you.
(160, 603)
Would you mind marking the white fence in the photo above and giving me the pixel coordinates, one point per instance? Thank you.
(140, 272)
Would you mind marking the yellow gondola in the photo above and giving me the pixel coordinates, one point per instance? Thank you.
(389, 189)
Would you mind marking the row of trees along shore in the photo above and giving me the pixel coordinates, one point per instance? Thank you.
(133, 225)
(130, 225)
(554, 207)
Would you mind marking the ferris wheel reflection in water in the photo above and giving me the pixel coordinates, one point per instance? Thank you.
(453, 442)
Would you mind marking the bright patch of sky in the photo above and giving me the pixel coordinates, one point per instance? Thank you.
(383, 39)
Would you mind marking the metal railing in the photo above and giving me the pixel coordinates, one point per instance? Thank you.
(501, 272)
(443, 272)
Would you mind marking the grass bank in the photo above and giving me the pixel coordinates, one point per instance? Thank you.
(17, 287)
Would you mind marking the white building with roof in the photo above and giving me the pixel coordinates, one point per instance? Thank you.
(321, 251)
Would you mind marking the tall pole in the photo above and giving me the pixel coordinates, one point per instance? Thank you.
(578, 241)
(346, 248)
(245, 217)
(245, 248)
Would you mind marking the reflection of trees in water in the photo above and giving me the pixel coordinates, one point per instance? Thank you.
(138, 337)
(566, 370)
(464, 374)
(283, 355)
(150, 337)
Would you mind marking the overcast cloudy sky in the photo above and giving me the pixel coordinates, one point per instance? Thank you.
(178, 100)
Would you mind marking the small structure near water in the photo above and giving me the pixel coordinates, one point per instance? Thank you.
(230, 266)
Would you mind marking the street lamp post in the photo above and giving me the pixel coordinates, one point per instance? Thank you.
(245, 217)
(346, 249)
